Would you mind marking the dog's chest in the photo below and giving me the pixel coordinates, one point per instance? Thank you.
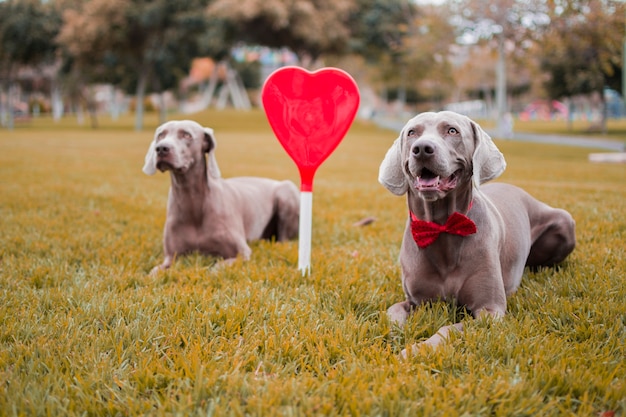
(436, 271)
(194, 238)
(435, 287)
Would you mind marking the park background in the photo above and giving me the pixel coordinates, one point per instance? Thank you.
(530, 59)
(85, 330)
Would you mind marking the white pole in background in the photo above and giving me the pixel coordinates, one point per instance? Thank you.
(304, 239)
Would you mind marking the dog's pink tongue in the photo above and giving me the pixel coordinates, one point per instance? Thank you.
(427, 182)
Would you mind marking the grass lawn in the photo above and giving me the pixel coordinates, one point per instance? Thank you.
(84, 330)
(616, 128)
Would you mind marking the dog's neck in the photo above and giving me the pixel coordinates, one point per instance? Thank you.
(189, 190)
(192, 181)
(438, 211)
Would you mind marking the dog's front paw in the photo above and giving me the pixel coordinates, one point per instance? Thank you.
(429, 345)
(416, 349)
(433, 342)
(154, 271)
(399, 313)
(166, 264)
(408, 352)
(223, 264)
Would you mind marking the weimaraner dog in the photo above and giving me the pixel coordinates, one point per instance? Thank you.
(464, 241)
(209, 214)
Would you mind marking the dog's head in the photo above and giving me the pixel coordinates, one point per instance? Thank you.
(178, 145)
(436, 152)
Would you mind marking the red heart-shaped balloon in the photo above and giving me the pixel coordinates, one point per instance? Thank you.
(310, 113)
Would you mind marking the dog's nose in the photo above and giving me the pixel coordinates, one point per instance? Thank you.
(423, 148)
(162, 150)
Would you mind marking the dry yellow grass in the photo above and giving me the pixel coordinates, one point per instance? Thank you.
(85, 331)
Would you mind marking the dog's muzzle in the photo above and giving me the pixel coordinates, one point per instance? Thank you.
(429, 181)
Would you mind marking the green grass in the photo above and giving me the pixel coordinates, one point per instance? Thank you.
(84, 330)
(616, 128)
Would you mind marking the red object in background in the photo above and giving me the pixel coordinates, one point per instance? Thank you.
(310, 113)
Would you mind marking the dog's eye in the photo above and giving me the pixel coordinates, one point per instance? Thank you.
(410, 133)
(453, 131)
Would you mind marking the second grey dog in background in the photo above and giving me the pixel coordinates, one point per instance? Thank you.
(207, 213)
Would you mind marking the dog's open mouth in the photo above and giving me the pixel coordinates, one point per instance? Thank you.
(429, 181)
(164, 166)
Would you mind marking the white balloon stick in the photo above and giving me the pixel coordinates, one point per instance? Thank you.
(304, 237)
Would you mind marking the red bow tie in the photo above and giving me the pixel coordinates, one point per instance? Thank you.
(425, 233)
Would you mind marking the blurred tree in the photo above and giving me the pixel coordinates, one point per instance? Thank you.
(510, 26)
(27, 32)
(408, 45)
(309, 28)
(379, 27)
(582, 50)
(379, 30)
(428, 52)
(375, 29)
(142, 45)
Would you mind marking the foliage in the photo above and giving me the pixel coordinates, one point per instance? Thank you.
(426, 64)
(250, 73)
(85, 331)
(379, 28)
(583, 47)
(310, 28)
(518, 21)
(142, 45)
(509, 28)
(406, 48)
(454, 50)
(27, 32)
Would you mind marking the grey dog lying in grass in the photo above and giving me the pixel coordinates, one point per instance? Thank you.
(464, 240)
(207, 213)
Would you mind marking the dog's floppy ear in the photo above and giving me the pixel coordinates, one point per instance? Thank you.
(149, 166)
(390, 173)
(488, 162)
(209, 148)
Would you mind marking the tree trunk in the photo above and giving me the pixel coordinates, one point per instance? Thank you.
(3, 107)
(501, 107)
(10, 123)
(8, 117)
(93, 114)
(212, 84)
(80, 115)
(115, 106)
(605, 113)
(57, 102)
(570, 114)
(140, 95)
(402, 88)
(162, 108)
